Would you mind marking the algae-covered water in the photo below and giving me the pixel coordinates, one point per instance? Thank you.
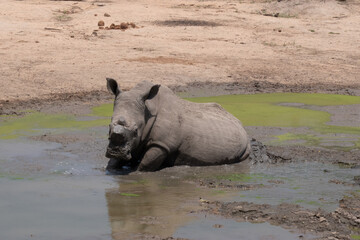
(54, 185)
(253, 110)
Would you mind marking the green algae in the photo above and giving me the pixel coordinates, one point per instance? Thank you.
(252, 110)
(104, 110)
(264, 109)
(355, 237)
(9, 176)
(309, 139)
(129, 195)
(35, 123)
(268, 110)
(218, 192)
(313, 140)
(140, 182)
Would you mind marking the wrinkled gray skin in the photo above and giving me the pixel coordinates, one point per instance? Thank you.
(153, 128)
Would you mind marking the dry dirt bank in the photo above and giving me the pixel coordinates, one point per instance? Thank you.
(55, 47)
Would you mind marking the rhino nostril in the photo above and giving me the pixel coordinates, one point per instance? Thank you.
(117, 138)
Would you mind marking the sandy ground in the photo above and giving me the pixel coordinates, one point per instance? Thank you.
(50, 47)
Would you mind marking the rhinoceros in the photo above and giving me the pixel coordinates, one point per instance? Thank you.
(152, 128)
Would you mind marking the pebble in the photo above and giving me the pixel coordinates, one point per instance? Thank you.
(101, 23)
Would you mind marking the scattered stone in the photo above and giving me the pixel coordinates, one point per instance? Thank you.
(201, 200)
(276, 181)
(357, 180)
(217, 226)
(52, 29)
(106, 15)
(336, 181)
(101, 23)
(122, 26)
(95, 15)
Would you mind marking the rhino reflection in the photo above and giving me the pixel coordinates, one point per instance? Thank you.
(158, 208)
(157, 204)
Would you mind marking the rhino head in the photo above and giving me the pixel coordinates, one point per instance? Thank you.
(130, 122)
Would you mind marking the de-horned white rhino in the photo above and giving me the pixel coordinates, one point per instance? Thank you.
(152, 128)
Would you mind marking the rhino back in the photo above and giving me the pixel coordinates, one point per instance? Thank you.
(211, 136)
(198, 133)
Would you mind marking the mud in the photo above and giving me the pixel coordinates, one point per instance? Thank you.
(340, 224)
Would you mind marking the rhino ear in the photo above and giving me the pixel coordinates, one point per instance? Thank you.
(151, 100)
(153, 91)
(112, 86)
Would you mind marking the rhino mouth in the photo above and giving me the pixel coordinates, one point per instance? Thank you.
(119, 152)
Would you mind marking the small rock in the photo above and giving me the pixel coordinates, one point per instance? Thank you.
(357, 179)
(101, 23)
(204, 200)
(95, 15)
(124, 25)
(106, 15)
(72, 36)
(217, 226)
(322, 219)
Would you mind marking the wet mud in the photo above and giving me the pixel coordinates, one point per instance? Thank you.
(339, 224)
(291, 187)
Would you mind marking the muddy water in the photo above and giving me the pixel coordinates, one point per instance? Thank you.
(54, 187)
(214, 228)
(308, 184)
